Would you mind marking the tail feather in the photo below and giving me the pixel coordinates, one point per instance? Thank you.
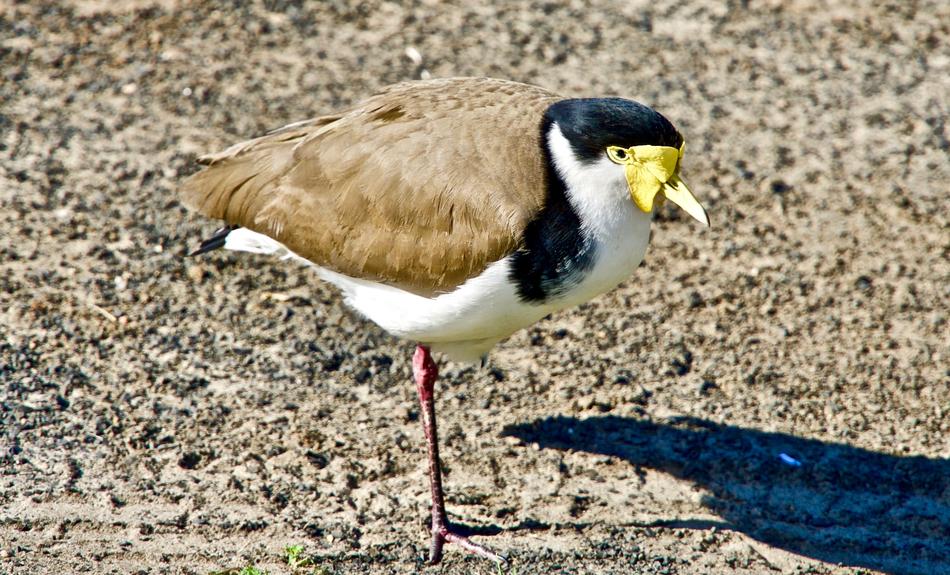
(241, 239)
(215, 241)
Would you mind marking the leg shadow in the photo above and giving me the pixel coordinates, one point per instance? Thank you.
(828, 501)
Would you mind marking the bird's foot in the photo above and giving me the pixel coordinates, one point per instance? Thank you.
(444, 534)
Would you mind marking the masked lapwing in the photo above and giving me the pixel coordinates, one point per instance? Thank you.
(452, 213)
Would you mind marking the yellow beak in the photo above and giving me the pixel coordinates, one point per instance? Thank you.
(676, 191)
(651, 170)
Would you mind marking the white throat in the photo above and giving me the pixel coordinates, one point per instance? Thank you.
(599, 193)
(597, 190)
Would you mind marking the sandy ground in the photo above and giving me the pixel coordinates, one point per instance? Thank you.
(169, 415)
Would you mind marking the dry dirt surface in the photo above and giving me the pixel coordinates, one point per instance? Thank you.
(771, 395)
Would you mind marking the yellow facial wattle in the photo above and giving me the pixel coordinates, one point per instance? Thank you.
(652, 169)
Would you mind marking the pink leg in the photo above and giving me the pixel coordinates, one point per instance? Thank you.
(425, 373)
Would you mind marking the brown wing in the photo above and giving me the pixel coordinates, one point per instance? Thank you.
(421, 186)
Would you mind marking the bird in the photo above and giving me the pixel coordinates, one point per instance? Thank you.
(452, 213)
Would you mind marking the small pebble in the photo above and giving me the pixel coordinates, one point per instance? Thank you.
(789, 460)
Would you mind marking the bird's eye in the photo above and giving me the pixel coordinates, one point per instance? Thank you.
(617, 154)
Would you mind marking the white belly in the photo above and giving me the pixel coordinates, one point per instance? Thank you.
(467, 322)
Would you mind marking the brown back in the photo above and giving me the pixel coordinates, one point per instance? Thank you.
(421, 186)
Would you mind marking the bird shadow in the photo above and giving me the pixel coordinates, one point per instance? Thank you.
(828, 501)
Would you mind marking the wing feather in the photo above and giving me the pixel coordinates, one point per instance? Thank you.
(421, 186)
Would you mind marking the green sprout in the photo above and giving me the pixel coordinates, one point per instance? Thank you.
(292, 553)
(294, 559)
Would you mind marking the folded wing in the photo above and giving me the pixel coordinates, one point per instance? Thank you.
(421, 187)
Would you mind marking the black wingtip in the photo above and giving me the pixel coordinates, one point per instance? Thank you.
(214, 242)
